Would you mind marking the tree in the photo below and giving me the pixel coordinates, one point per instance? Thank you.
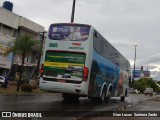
(158, 82)
(22, 46)
(144, 83)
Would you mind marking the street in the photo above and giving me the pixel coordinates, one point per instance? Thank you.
(46, 102)
(108, 48)
(53, 102)
(145, 107)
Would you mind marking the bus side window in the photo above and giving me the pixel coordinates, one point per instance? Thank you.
(96, 34)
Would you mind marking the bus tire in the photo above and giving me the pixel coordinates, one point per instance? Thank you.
(122, 98)
(108, 98)
(102, 98)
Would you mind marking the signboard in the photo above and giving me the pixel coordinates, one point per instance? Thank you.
(139, 73)
(64, 65)
(67, 32)
(3, 48)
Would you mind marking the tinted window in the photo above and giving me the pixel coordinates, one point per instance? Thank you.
(104, 48)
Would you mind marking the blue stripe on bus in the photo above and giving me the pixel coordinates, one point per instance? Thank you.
(106, 67)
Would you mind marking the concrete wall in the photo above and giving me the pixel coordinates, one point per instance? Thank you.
(11, 25)
(26, 23)
(12, 20)
(8, 18)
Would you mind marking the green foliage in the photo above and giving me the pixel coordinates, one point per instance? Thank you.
(158, 82)
(144, 83)
(26, 88)
(22, 46)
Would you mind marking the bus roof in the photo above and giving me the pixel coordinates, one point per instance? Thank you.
(71, 24)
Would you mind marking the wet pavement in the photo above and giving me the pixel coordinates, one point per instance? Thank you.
(54, 103)
(149, 108)
(51, 102)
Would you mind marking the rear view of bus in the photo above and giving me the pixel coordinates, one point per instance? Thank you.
(65, 68)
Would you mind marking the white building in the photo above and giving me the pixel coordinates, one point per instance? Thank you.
(12, 25)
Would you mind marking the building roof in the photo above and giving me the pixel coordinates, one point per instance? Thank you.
(13, 20)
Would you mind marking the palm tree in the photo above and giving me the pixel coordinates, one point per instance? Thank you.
(22, 46)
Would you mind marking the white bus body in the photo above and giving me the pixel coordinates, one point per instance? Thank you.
(77, 60)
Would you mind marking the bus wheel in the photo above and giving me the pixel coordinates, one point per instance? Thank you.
(102, 99)
(108, 98)
(122, 98)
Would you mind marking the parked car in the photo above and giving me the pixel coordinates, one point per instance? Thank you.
(148, 91)
(2, 81)
(132, 90)
(137, 91)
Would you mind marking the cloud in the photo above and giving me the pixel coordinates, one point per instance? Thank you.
(151, 60)
(156, 76)
(122, 22)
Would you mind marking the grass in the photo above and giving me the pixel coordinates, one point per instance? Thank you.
(12, 89)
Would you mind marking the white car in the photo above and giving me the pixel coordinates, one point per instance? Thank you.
(2, 80)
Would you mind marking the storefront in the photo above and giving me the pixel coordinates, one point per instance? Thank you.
(5, 61)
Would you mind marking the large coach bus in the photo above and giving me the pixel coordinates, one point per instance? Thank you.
(78, 61)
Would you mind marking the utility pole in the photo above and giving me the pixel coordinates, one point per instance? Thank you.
(73, 10)
(39, 56)
(134, 60)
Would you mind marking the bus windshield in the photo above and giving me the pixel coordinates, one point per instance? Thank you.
(69, 32)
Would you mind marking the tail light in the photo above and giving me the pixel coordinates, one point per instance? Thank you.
(85, 73)
(42, 70)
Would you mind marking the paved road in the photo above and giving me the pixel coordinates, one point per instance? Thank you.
(54, 102)
(48, 102)
(149, 108)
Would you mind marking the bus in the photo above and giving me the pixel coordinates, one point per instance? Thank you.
(78, 61)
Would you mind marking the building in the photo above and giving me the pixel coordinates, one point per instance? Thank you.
(12, 25)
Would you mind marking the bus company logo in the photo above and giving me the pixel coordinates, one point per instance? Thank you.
(6, 114)
(76, 44)
(76, 48)
(53, 44)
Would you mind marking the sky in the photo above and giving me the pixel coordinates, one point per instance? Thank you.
(124, 23)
